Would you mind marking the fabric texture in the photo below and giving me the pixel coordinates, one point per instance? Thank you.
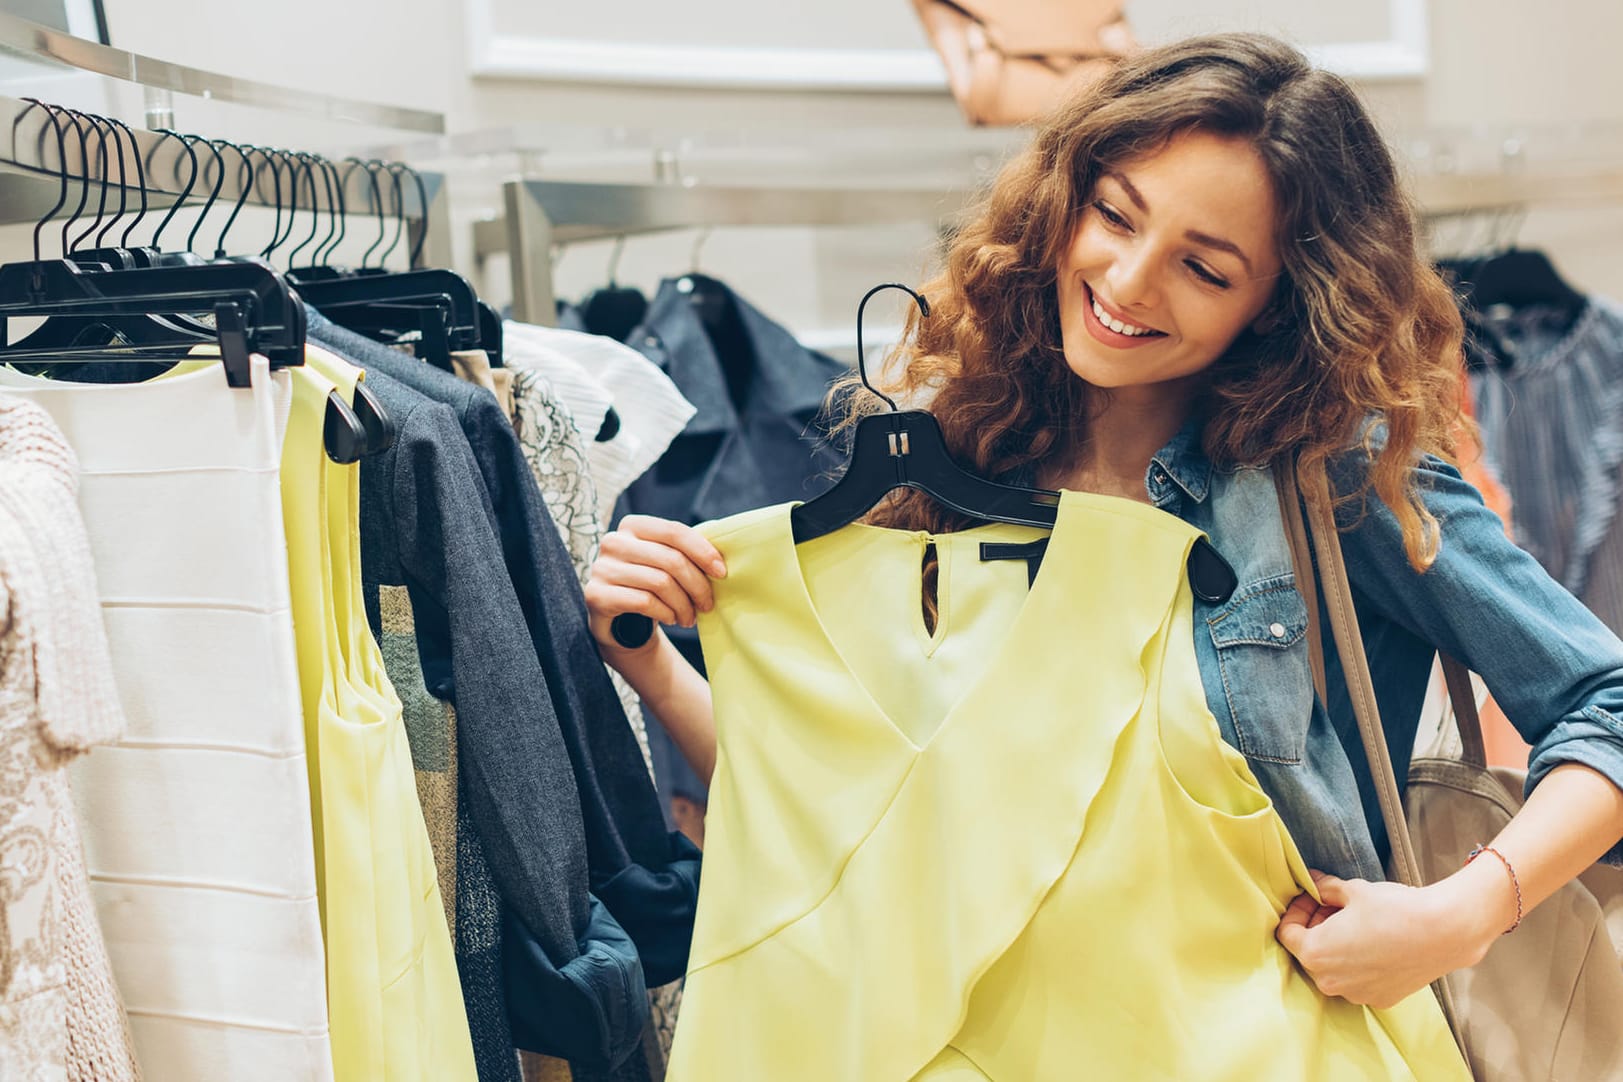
(650, 408)
(426, 523)
(1556, 671)
(647, 878)
(197, 825)
(555, 453)
(752, 441)
(1552, 428)
(431, 732)
(393, 996)
(868, 785)
(60, 1014)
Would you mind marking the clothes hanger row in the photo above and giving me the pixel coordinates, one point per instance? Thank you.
(119, 302)
(124, 303)
(906, 449)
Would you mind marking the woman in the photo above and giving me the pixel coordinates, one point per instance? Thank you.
(1202, 264)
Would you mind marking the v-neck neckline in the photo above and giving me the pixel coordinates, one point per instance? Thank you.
(998, 657)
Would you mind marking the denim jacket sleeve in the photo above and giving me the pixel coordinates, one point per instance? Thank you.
(1553, 667)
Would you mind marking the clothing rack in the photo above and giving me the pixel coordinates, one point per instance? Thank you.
(31, 172)
(32, 169)
(1445, 195)
(543, 213)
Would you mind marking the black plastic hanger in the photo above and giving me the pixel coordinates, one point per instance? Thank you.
(92, 308)
(1521, 277)
(438, 308)
(615, 310)
(906, 449)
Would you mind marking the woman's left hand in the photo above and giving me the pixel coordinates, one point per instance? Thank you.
(1377, 943)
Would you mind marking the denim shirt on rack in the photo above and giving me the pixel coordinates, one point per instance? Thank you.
(1553, 667)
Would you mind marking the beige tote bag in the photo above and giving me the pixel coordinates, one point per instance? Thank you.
(1546, 1003)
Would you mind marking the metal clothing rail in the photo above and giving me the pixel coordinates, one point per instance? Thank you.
(543, 213)
(48, 43)
(31, 171)
(1443, 195)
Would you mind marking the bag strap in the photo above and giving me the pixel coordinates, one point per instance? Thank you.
(1361, 688)
(1290, 509)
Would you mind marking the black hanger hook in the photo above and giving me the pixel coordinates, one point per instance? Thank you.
(214, 193)
(245, 151)
(307, 163)
(105, 168)
(140, 178)
(123, 186)
(373, 166)
(191, 181)
(862, 357)
(62, 162)
(422, 201)
(394, 169)
(335, 211)
(287, 157)
(84, 177)
(273, 159)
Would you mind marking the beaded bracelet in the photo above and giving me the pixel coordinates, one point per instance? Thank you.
(1478, 851)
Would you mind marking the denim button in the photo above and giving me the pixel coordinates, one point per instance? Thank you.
(1158, 475)
(1277, 630)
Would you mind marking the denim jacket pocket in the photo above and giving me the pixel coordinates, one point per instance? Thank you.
(1262, 653)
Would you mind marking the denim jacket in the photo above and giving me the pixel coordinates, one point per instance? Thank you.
(1554, 668)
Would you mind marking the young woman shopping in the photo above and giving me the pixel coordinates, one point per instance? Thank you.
(1204, 264)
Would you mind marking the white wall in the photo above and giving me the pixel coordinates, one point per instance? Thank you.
(1488, 71)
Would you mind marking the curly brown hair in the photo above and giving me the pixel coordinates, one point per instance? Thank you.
(1363, 326)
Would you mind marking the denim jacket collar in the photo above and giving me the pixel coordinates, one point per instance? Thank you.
(787, 378)
(1182, 462)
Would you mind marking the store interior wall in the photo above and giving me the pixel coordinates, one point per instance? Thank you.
(1487, 74)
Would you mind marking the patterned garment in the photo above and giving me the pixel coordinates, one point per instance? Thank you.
(60, 1013)
(431, 731)
(555, 449)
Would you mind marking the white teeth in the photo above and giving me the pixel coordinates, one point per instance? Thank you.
(1129, 329)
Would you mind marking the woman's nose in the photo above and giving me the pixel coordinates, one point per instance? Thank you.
(1132, 279)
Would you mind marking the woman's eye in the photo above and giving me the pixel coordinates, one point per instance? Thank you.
(1110, 214)
(1206, 275)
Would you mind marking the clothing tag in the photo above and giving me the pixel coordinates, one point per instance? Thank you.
(1032, 552)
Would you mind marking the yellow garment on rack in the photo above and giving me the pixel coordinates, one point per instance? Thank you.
(394, 999)
(1013, 848)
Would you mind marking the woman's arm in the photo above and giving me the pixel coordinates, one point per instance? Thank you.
(677, 695)
(1556, 670)
(1378, 943)
(660, 569)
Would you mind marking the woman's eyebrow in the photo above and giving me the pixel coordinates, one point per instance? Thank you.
(1206, 240)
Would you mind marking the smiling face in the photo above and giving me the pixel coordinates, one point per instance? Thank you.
(1174, 256)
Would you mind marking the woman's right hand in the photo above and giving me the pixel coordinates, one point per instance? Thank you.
(654, 567)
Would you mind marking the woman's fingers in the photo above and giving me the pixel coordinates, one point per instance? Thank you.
(608, 601)
(684, 539)
(651, 565)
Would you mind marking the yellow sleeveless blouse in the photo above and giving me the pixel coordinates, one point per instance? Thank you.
(394, 1000)
(1013, 848)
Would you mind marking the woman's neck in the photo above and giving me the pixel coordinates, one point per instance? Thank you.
(1121, 441)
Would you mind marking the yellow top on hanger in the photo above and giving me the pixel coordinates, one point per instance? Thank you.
(1014, 847)
(394, 1000)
